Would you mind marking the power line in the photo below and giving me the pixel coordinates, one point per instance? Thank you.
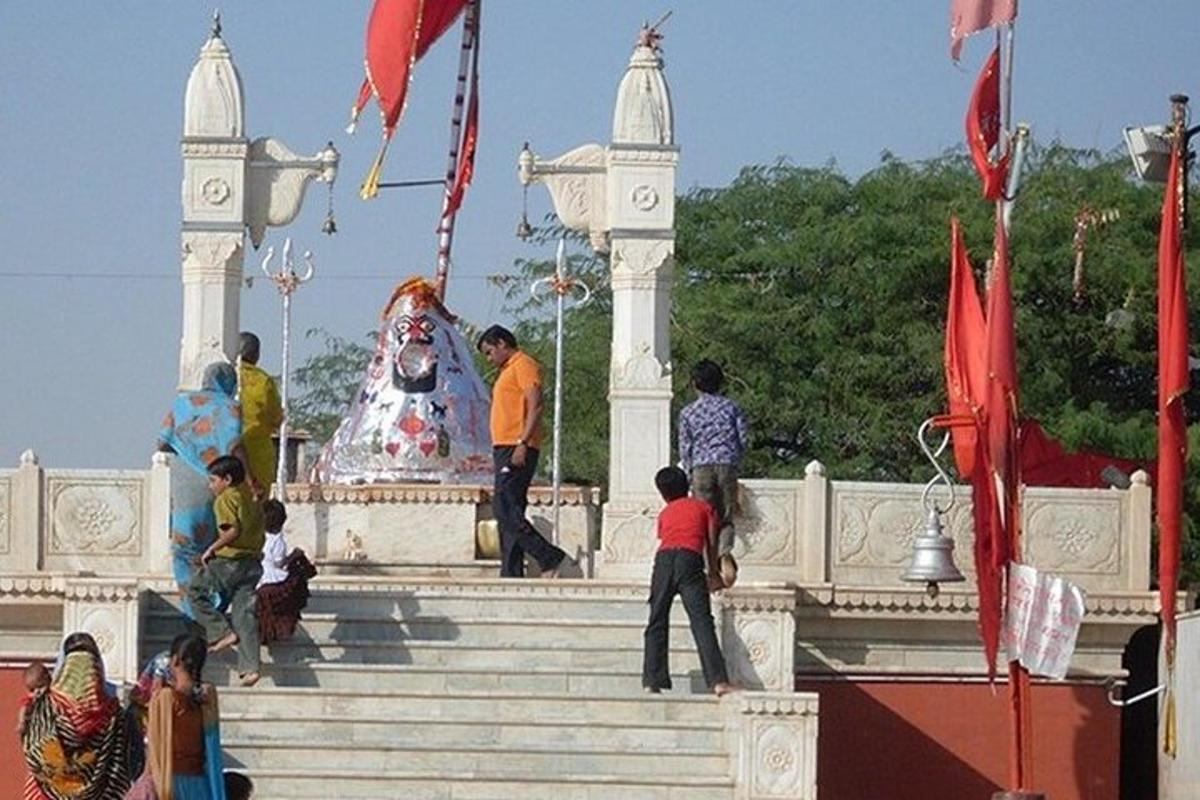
(28, 275)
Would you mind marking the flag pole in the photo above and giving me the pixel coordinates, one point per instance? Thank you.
(1020, 699)
(445, 229)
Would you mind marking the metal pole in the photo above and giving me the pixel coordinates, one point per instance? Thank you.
(287, 281)
(560, 284)
(558, 396)
(446, 223)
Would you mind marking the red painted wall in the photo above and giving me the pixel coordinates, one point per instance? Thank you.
(12, 763)
(907, 740)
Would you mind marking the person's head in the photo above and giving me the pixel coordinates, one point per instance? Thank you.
(220, 376)
(672, 483)
(36, 676)
(249, 347)
(188, 654)
(707, 377)
(223, 472)
(80, 642)
(497, 344)
(274, 515)
(238, 786)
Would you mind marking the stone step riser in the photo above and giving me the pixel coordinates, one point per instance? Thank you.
(434, 680)
(348, 788)
(514, 763)
(461, 707)
(623, 660)
(31, 643)
(501, 636)
(474, 733)
(500, 606)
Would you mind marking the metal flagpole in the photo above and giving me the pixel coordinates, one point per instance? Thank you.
(1021, 733)
(287, 281)
(469, 54)
(560, 284)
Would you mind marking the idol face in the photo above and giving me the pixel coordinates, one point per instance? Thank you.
(414, 367)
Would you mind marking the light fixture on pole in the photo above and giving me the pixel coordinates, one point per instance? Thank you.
(287, 280)
(561, 286)
(933, 553)
(1150, 145)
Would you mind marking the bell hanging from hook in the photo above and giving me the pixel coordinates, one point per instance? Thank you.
(524, 229)
(329, 226)
(933, 557)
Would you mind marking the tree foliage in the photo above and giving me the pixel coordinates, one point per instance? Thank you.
(825, 297)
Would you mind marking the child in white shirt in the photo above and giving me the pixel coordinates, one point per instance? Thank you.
(283, 590)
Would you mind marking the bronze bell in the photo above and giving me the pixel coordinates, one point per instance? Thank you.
(524, 229)
(329, 227)
(933, 557)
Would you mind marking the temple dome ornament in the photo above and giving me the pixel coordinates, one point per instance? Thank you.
(214, 105)
(643, 112)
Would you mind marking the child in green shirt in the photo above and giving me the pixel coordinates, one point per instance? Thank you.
(231, 568)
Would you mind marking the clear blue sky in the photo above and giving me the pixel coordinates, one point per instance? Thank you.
(91, 106)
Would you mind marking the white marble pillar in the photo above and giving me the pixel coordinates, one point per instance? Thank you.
(229, 184)
(213, 236)
(623, 196)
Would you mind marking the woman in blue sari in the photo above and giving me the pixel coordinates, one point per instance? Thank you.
(202, 426)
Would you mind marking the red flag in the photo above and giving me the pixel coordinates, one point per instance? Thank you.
(996, 481)
(965, 363)
(399, 32)
(1172, 385)
(971, 16)
(983, 129)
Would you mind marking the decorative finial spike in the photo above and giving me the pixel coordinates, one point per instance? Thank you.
(216, 26)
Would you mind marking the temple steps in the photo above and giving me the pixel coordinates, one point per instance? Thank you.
(465, 689)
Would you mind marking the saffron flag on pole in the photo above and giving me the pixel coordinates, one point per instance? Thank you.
(971, 16)
(983, 129)
(1172, 429)
(1001, 471)
(966, 368)
(399, 32)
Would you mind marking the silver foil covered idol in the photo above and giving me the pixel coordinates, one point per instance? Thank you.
(422, 412)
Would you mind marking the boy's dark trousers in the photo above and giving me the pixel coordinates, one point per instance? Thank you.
(509, 500)
(680, 571)
(235, 579)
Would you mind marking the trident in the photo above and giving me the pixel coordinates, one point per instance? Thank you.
(561, 286)
(286, 281)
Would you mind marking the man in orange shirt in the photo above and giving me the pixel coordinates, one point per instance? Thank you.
(516, 438)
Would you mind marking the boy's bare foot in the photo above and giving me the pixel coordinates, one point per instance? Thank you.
(250, 678)
(729, 570)
(722, 689)
(224, 643)
(652, 690)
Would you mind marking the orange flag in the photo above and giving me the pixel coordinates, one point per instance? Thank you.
(983, 129)
(965, 364)
(1172, 429)
(399, 32)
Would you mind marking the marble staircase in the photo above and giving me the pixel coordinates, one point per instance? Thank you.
(479, 688)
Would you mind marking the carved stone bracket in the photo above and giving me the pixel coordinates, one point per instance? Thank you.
(758, 631)
(577, 182)
(108, 609)
(276, 181)
(774, 742)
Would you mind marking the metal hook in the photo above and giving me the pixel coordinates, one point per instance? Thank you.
(1112, 685)
(941, 476)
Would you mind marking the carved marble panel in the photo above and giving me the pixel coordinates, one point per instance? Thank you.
(756, 646)
(765, 529)
(632, 541)
(1073, 533)
(95, 516)
(778, 760)
(1077, 533)
(6, 515)
(776, 746)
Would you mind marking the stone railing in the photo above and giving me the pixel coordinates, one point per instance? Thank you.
(106, 522)
(846, 533)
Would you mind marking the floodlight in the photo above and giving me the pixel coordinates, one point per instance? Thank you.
(1150, 149)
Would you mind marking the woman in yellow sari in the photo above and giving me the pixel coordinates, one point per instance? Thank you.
(262, 413)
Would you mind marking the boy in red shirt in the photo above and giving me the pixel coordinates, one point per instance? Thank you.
(687, 533)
